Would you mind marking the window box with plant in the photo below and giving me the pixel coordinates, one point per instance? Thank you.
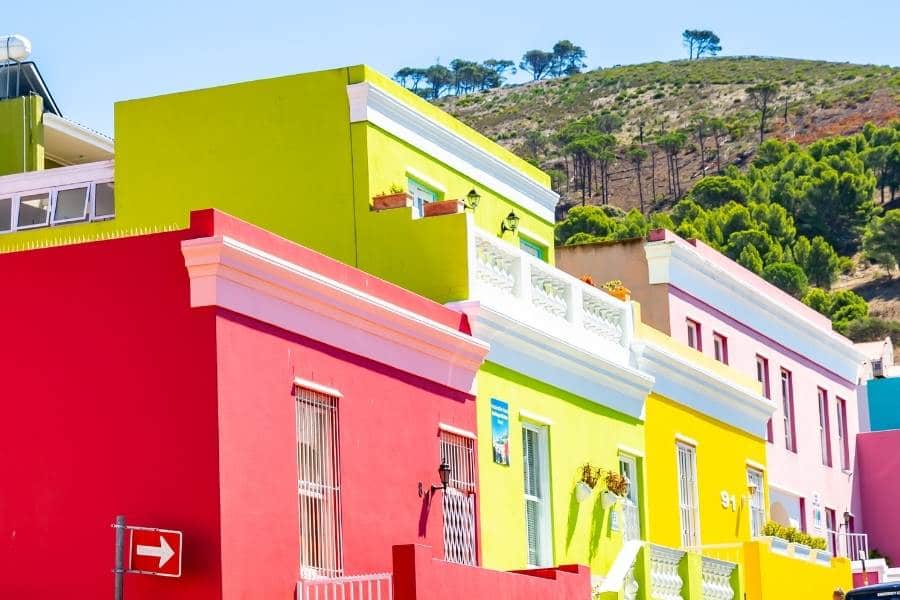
(616, 485)
(805, 546)
(395, 197)
(616, 289)
(590, 476)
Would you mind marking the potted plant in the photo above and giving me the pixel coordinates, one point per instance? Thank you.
(589, 478)
(395, 197)
(615, 288)
(616, 488)
(443, 207)
(587, 279)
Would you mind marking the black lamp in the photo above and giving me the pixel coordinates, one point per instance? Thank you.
(510, 223)
(444, 474)
(472, 199)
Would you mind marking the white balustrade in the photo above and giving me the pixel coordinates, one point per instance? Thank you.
(632, 529)
(631, 587)
(849, 545)
(517, 277)
(377, 586)
(716, 578)
(665, 582)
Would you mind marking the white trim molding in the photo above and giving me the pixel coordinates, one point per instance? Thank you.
(317, 387)
(233, 275)
(704, 391)
(629, 451)
(457, 431)
(755, 465)
(527, 415)
(535, 353)
(674, 262)
(369, 103)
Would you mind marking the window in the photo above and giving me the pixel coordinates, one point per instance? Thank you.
(104, 201)
(687, 496)
(720, 345)
(71, 205)
(421, 196)
(459, 498)
(533, 248)
(787, 405)
(824, 428)
(319, 484)
(802, 503)
(6, 214)
(537, 498)
(843, 443)
(631, 503)
(34, 211)
(693, 335)
(762, 375)
(757, 502)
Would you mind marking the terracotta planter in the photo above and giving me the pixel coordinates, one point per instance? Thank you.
(388, 201)
(621, 293)
(443, 207)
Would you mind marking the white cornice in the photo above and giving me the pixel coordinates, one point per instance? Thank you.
(103, 170)
(553, 360)
(370, 103)
(704, 391)
(670, 262)
(79, 132)
(228, 273)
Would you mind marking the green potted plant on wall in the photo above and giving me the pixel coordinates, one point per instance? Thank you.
(395, 197)
(616, 488)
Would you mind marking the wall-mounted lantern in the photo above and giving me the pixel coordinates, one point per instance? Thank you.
(510, 223)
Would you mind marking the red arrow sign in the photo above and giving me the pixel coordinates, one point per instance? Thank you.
(155, 551)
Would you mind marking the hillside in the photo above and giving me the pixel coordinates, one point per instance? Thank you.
(622, 107)
(822, 99)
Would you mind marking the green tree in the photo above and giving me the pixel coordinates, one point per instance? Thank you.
(787, 276)
(567, 58)
(499, 69)
(439, 78)
(537, 62)
(822, 264)
(750, 259)
(881, 242)
(763, 95)
(701, 42)
(718, 190)
(637, 155)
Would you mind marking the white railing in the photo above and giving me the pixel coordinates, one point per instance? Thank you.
(716, 579)
(513, 276)
(665, 582)
(632, 529)
(848, 545)
(377, 586)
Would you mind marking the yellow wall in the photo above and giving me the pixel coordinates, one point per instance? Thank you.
(773, 576)
(580, 432)
(722, 455)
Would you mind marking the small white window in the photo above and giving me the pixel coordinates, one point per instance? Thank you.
(71, 205)
(421, 196)
(631, 503)
(6, 214)
(787, 406)
(757, 502)
(720, 345)
(693, 335)
(689, 508)
(34, 211)
(104, 201)
(537, 495)
(319, 486)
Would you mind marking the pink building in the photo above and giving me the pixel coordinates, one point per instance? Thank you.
(810, 373)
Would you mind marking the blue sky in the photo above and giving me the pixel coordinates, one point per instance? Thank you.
(94, 53)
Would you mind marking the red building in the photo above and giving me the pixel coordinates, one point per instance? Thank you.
(286, 412)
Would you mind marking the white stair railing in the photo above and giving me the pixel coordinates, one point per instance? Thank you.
(716, 578)
(376, 586)
(665, 582)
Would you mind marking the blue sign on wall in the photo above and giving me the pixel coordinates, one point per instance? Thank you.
(500, 431)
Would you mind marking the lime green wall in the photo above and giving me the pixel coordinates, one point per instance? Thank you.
(21, 135)
(580, 431)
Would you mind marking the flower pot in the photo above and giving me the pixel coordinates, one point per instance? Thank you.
(607, 499)
(621, 293)
(582, 491)
(388, 201)
(443, 207)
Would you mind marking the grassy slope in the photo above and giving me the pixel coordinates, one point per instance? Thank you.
(822, 98)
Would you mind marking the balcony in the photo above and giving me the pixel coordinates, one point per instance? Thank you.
(57, 197)
(848, 545)
(551, 326)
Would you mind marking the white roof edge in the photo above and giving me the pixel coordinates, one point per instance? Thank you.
(78, 131)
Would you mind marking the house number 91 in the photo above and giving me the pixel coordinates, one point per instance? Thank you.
(728, 500)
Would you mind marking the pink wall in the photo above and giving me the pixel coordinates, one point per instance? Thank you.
(109, 408)
(801, 473)
(879, 481)
(419, 576)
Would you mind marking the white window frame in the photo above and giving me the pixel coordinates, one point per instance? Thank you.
(843, 432)
(87, 187)
(787, 407)
(414, 185)
(688, 495)
(18, 206)
(633, 496)
(94, 216)
(544, 533)
(693, 333)
(824, 427)
(720, 347)
(757, 501)
(319, 502)
(12, 214)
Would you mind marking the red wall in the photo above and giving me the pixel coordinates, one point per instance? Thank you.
(108, 408)
(388, 443)
(878, 459)
(419, 576)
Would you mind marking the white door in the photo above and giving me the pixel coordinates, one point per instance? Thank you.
(537, 501)
(687, 496)
(757, 502)
(631, 504)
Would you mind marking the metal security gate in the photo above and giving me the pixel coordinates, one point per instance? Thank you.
(459, 499)
(687, 496)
